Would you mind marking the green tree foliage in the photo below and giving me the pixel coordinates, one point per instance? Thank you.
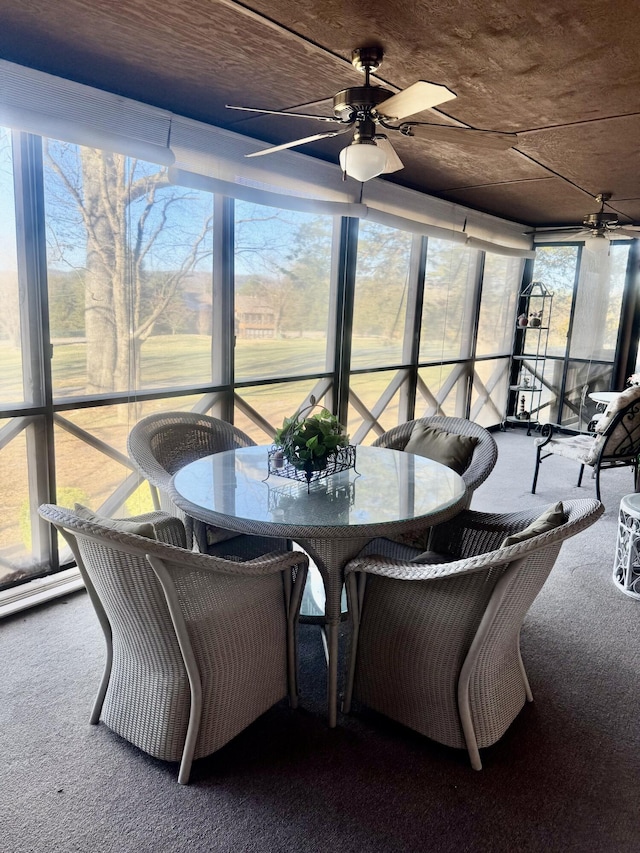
(381, 282)
(556, 266)
(292, 278)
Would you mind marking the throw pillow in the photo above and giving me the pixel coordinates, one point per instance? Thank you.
(122, 525)
(621, 402)
(453, 450)
(549, 520)
(619, 440)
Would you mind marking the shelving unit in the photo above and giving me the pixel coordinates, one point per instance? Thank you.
(530, 353)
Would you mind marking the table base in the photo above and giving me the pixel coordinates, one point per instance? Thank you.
(330, 557)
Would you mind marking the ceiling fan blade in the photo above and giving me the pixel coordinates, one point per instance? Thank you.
(283, 113)
(414, 99)
(560, 229)
(626, 232)
(394, 163)
(296, 142)
(568, 233)
(463, 135)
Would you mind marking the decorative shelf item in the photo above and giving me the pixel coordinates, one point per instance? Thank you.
(529, 355)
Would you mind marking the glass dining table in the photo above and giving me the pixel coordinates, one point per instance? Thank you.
(389, 492)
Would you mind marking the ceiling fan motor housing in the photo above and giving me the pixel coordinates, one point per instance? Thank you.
(357, 102)
(600, 220)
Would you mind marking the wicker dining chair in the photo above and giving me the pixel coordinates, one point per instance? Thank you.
(161, 444)
(480, 464)
(198, 647)
(436, 644)
(482, 460)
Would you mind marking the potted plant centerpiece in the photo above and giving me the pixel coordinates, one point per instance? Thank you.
(312, 444)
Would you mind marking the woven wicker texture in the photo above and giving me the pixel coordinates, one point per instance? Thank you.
(161, 444)
(485, 454)
(329, 545)
(436, 646)
(197, 646)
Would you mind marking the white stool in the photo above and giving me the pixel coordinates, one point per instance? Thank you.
(626, 567)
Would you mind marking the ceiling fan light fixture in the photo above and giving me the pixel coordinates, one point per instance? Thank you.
(598, 243)
(363, 160)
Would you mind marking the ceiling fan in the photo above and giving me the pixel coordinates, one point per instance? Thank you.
(600, 224)
(365, 110)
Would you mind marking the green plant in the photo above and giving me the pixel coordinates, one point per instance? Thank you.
(306, 442)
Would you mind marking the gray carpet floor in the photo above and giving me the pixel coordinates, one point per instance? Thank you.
(565, 777)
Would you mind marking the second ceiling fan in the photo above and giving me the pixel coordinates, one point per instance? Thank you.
(601, 224)
(367, 110)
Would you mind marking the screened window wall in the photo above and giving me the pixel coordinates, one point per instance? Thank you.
(589, 283)
(123, 295)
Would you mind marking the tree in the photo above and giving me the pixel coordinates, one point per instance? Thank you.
(287, 258)
(125, 218)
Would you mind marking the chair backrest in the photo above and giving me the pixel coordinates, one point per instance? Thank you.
(187, 667)
(485, 453)
(465, 618)
(124, 590)
(472, 535)
(161, 444)
(618, 431)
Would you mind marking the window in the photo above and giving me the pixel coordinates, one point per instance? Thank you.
(282, 291)
(132, 288)
(380, 304)
(129, 273)
(448, 313)
(588, 286)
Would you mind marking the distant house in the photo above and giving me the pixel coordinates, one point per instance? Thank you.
(254, 318)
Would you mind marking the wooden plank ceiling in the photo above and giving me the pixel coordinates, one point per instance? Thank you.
(563, 74)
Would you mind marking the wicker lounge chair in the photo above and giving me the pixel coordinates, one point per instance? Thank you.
(435, 646)
(197, 647)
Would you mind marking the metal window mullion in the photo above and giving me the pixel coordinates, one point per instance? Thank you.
(475, 323)
(35, 335)
(629, 325)
(223, 325)
(334, 319)
(344, 258)
(413, 326)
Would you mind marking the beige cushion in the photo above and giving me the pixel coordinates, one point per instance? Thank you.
(549, 520)
(616, 406)
(620, 435)
(453, 450)
(144, 528)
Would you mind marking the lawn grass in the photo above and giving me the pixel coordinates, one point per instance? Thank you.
(168, 361)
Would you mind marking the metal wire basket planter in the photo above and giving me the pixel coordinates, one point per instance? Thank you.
(309, 447)
(333, 463)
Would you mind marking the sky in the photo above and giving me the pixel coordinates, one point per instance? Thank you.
(259, 230)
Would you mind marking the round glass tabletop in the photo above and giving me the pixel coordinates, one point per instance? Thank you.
(386, 487)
